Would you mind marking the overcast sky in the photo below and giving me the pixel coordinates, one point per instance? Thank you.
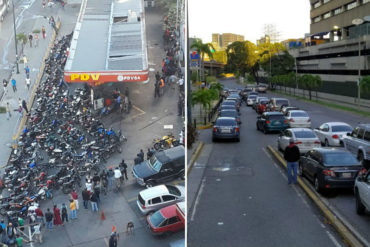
(247, 17)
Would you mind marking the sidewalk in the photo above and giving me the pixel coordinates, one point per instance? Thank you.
(35, 57)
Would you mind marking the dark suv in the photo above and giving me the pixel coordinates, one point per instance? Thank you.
(163, 166)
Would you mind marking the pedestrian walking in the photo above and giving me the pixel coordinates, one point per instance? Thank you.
(39, 215)
(14, 84)
(292, 155)
(85, 198)
(94, 202)
(49, 219)
(27, 71)
(110, 176)
(28, 83)
(5, 85)
(37, 233)
(57, 218)
(157, 76)
(24, 105)
(89, 186)
(75, 198)
(141, 155)
(8, 113)
(72, 207)
(113, 239)
(43, 4)
(25, 61)
(64, 213)
(97, 192)
(124, 168)
(52, 22)
(11, 233)
(43, 30)
(104, 182)
(20, 111)
(30, 38)
(19, 240)
(36, 38)
(137, 160)
(117, 178)
(156, 89)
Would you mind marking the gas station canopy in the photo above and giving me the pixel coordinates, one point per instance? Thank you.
(108, 43)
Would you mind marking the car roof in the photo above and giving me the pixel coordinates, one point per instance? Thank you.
(336, 123)
(269, 113)
(279, 99)
(169, 211)
(170, 154)
(331, 150)
(229, 110)
(155, 191)
(225, 118)
(292, 111)
(364, 126)
(300, 129)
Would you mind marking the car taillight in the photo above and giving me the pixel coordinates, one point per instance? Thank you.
(296, 143)
(268, 121)
(330, 173)
(291, 120)
(236, 129)
(308, 120)
(214, 129)
(143, 206)
(335, 136)
(317, 142)
(363, 171)
(285, 121)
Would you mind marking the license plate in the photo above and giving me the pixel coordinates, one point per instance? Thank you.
(225, 131)
(346, 175)
(277, 123)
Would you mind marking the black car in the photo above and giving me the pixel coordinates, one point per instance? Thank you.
(231, 102)
(329, 168)
(162, 166)
(231, 113)
(226, 128)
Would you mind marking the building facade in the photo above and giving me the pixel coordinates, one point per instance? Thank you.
(223, 40)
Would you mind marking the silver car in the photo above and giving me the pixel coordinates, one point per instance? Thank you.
(298, 119)
(332, 133)
(304, 138)
(160, 196)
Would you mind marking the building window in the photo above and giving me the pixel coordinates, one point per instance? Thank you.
(327, 15)
(338, 10)
(365, 1)
(351, 5)
(325, 1)
(317, 19)
(317, 4)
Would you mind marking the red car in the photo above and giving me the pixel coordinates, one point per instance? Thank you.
(167, 220)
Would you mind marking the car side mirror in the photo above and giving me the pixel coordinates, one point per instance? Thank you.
(349, 134)
(361, 178)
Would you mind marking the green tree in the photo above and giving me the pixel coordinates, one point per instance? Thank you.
(310, 82)
(202, 49)
(365, 84)
(281, 64)
(237, 55)
(22, 38)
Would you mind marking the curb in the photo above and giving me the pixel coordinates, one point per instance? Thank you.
(36, 85)
(342, 229)
(196, 153)
(203, 127)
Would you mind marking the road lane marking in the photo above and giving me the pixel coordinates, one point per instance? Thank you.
(220, 223)
(106, 241)
(332, 238)
(197, 199)
(132, 199)
(138, 109)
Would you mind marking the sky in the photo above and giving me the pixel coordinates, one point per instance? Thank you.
(248, 17)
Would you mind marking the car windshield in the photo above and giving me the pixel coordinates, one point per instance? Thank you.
(282, 102)
(228, 114)
(155, 164)
(229, 102)
(339, 159)
(341, 128)
(173, 190)
(304, 134)
(252, 97)
(276, 117)
(299, 114)
(157, 218)
(264, 102)
(225, 122)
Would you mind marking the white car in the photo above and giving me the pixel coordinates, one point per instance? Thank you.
(362, 193)
(251, 99)
(304, 138)
(154, 198)
(298, 119)
(331, 133)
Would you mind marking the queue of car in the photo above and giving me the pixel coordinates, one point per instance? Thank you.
(334, 155)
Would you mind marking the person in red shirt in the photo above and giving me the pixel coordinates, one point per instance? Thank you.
(39, 215)
(75, 198)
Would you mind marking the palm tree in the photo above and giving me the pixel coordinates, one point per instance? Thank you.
(202, 49)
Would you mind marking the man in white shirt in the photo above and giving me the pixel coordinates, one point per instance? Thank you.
(117, 177)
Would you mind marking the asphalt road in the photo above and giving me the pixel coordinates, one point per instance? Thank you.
(243, 198)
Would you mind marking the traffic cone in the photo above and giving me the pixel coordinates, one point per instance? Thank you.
(114, 229)
(102, 216)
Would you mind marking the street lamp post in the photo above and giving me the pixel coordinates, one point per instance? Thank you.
(15, 39)
(358, 22)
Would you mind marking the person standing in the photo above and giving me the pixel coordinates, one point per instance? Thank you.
(39, 215)
(156, 90)
(49, 219)
(85, 198)
(110, 176)
(14, 85)
(37, 233)
(5, 85)
(94, 202)
(141, 155)
(64, 213)
(75, 198)
(89, 186)
(36, 37)
(27, 71)
(113, 240)
(24, 106)
(43, 30)
(28, 83)
(72, 207)
(25, 61)
(8, 113)
(157, 76)
(30, 38)
(10, 232)
(117, 178)
(57, 218)
(292, 155)
(124, 168)
(3, 232)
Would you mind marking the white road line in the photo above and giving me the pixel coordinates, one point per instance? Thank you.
(197, 199)
(332, 238)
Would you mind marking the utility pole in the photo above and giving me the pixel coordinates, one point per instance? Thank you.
(188, 84)
(358, 22)
(15, 39)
